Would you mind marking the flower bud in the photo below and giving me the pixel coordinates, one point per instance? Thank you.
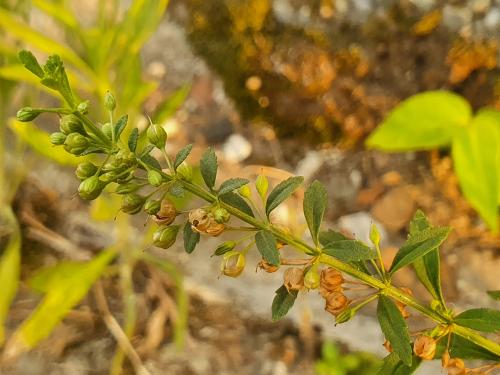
(233, 263)
(90, 188)
(27, 114)
(166, 214)
(128, 188)
(85, 170)
(76, 143)
(224, 248)
(157, 136)
(71, 124)
(83, 107)
(57, 138)
(375, 235)
(152, 206)
(312, 278)
(165, 237)
(221, 215)
(269, 268)
(424, 347)
(331, 281)
(132, 203)
(336, 302)
(245, 191)
(185, 172)
(155, 178)
(109, 176)
(293, 279)
(109, 101)
(262, 184)
(345, 316)
(107, 129)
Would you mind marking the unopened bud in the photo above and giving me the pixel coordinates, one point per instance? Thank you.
(312, 278)
(269, 268)
(424, 347)
(83, 107)
(166, 214)
(262, 184)
(245, 191)
(76, 143)
(152, 206)
(91, 188)
(293, 279)
(109, 101)
(132, 203)
(224, 248)
(157, 136)
(165, 237)
(336, 302)
(128, 188)
(109, 176)
(185, 172)
(57, 138)
(375, 235)
(331, 281)
(233, 263)
(155, 178)
(345, 316)
(27, 114)
(85, 170)
(71, 124)
(107, 129)
(221, 215)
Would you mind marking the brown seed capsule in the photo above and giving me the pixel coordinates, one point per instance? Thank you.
(456, 367)
(293, 279)
(167, 213)
(424, 347)
(336, 302)
(215, 228)
(199, 219)
(269, 268)
(388, 346)
(330, 281)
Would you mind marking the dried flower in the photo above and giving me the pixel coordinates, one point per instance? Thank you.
(269, 268)
(331, 281)
(293, 279)
(166, 214)
(336, 302)
(233, 264)
(204, 222)
(424, 347)
(456, 367)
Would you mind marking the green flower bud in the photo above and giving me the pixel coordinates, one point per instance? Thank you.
(224, 248)
(233, 263)
(245, 191)
(125, 178)
(126, 158)
(76, 143)
(375, 235)
(107, 130)
(128, 188)
(109, 101)
(27, 114)
(85, 170)
(109, 176)
(132, 203)
(57, 138)
(311, 278)
(155, 178)
(345, 315)
(261, 183)
(83, 107)
(71, 124)
(221, 215)
(165, 237)
(157, 136)
(185, 172)
(90, 188)
(152, 206)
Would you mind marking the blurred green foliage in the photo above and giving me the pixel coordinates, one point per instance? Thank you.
(333, 362)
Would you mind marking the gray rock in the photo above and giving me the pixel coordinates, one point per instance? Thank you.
(359, 225)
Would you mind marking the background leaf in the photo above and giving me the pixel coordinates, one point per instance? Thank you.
(281, 192)
(182, 155)
(392, 365)
(314, 208)
(232, 184)
(349, 250)
(208, 167)
(266, 244)
(485, 320)
(282, 302)
(476, 157)
(394, 328)
(424, 121)
(495, 294)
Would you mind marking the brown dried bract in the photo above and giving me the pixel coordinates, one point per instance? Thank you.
(269, 268)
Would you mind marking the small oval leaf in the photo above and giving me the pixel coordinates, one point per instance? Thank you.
(282, 302)
(208, 167)
(315, 199)
(182, 155)
(191, 238)
(232, 184)
(266, 244)
(281, 192)
(349, 250)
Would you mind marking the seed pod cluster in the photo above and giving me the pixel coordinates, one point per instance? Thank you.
(204, 222)
(330, 288)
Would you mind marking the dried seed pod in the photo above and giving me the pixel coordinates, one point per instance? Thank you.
(293, 279)
(215, 228)
(269, 268)
(336, 302)
(166, 214)
(204, 222)
(233, 263)
(425, 347)
(331, 281)
(165, 237)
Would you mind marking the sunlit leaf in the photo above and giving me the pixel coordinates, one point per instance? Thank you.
(483, 319)
(315, 199)
(281, 192)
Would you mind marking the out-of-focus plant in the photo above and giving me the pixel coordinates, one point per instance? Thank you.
(332, 261)
(440, 119)
(332, 362)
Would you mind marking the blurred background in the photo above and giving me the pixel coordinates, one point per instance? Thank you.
(275, 86)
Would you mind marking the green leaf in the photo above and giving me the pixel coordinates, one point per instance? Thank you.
(191, 238)
(424, 121)
(314, 208)
(151, 161)
(120, 125)
(349, 250)
(30, 62)
(392, 365)
(208, 167)
(476, 157)
(182, 155)
(64, 293)
(495, 294)
(464, 349)
(326, 237)
(266, 244)
(132, 139)
(281, 192)
(419, 222)
(40, 142)
(485, 320)
(176, 189)
(234, 200)
(419, 245)
(231, 185)
(282, 302)
(394, 328)
(47, 278)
